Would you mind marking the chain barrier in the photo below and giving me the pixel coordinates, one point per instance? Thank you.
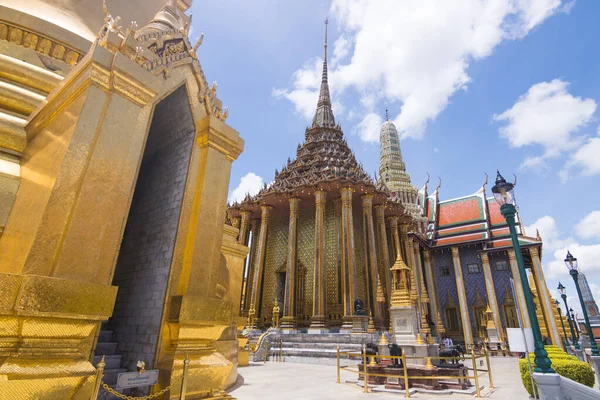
(150, 396)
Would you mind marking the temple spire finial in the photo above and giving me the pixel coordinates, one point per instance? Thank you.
(324, 115)
(326, 22)
(387, 117)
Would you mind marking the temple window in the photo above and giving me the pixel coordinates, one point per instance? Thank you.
(510, 314)
(445, 271)
(473, 269)
(501, 265)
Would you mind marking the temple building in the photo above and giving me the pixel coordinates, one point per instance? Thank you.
(324, 234)
(115, 157)
(319, 234)
(464, 246)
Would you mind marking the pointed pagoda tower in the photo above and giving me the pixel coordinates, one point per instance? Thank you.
(317, 246)
(392, 172)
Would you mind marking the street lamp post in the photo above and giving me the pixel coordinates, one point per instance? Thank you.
(574, 322)
(563, 294)
(571, 263)
(503, 192)
(562, 323)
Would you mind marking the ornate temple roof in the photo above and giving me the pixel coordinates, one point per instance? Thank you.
(468, 219)
(324, 157)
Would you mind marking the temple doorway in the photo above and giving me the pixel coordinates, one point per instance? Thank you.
(144, 262)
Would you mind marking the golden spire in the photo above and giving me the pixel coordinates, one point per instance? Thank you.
(326, 23)
(400, 283)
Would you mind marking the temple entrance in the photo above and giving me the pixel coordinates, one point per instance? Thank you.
(144, 262)
(280, 295)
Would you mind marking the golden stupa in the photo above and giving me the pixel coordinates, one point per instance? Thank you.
(114, 170)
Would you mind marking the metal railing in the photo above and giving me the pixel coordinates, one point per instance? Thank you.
(277, 354)
(99, 383)
(476, 373)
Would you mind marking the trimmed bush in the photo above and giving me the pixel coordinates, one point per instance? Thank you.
(564, 365)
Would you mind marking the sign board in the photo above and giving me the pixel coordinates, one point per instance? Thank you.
(516, 341)
(128, 380)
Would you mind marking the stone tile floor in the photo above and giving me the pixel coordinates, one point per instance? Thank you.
(292, 381)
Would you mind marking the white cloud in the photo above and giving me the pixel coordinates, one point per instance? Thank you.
(555, 249)
(249, 183)
(586, 158)
(548, 116)
(414, 52)
(368, 128)
(589, 226)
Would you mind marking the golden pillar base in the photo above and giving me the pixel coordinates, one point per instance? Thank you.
(288, 324)
(47, 330)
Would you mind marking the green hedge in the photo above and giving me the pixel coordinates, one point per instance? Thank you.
(564, 365)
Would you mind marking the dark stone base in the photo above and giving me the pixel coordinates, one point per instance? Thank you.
(372, 369)
(397, 381)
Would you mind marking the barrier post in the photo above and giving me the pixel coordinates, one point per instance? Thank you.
(487, 360)
(280, 350)
(98, 379)
(404, 366)
(186, 364)
(365, 374)
(475, 372)
(337, 349)
(265, 353)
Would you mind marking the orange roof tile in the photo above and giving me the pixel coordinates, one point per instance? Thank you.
(461, 211)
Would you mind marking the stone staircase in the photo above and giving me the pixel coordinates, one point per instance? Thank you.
(319, 348)
(108, 348)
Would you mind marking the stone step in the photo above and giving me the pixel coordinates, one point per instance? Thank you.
(359, 338)
(110, 375)
(316, 360)
(321, 353)
(105, 336)
(106, 348)
(113, 361)
(332, 346)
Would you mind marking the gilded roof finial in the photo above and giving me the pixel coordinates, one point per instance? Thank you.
(326, 22)
(387, 117)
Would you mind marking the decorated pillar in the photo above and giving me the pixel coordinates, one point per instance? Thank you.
(491, 293)
(367, 207)
(318, 322)
(544, 295)
(514, 267)
(415, 290)
(288, 322)
(429, 275)
(244, 225)
(254, 227)
(348, 262)
(395, 235)
(261, 251)
(383, 253)
(462, 298)
(424, 292)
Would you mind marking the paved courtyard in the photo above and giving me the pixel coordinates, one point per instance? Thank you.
(292, 381)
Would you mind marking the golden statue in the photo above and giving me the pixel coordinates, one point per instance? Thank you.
(275, 321)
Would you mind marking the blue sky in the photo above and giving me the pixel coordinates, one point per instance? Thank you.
(472, 87)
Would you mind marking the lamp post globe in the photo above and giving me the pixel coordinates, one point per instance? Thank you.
(563, 294)
(571, 263)
(504, 193)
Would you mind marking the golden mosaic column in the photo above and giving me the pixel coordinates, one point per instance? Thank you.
(261, 251)
(254, 226)
(288, 322)
(383, 247)
(396, 237)
(491, 293)
(544, 295)
(431, 285)
(367, 207)
(244, 225)
(348, 252)
(462, 298)
(318, 321)
(514, 267)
